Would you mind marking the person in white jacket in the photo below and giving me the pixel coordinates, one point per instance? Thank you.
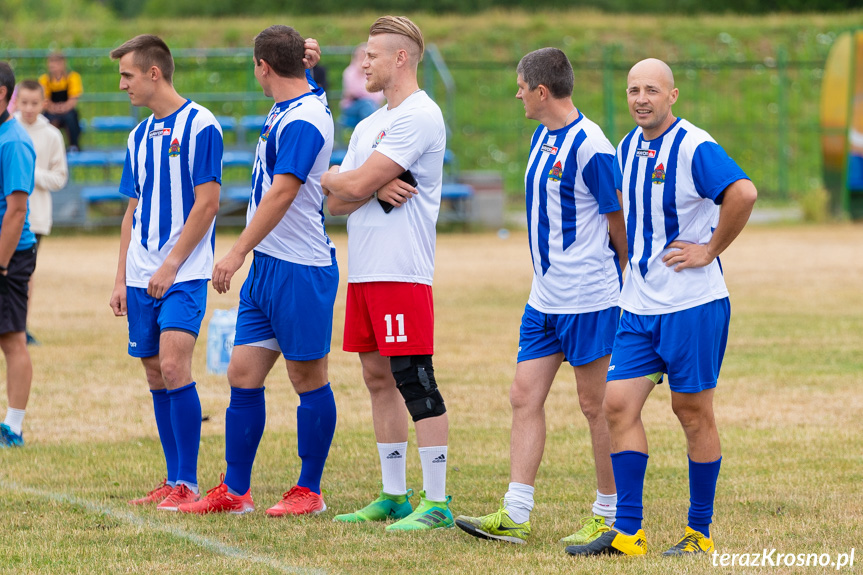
(51, 170)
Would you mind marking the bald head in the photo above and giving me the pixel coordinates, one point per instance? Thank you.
(650, 93)
(658, 70)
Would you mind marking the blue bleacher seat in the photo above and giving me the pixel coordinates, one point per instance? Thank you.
(236, 193)
(228, 123)
(337, 157)
(112, 124)
(231, 158)
(95, 194)
(88, 158)
(456, 191)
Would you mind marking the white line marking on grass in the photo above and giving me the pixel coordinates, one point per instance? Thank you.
(131, 518)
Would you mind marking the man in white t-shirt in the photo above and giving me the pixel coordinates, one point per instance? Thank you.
(390, 184)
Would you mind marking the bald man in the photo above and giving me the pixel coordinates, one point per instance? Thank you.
(390, 184)
(685, 201)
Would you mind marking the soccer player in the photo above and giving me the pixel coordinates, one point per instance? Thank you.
(286, 302)
(577, 238)
(685, 201)
(391, 241)
(17, 260)
(172, 176)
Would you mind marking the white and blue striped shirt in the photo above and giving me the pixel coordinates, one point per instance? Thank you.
(672, 187)
(297, 138)
(165, 159)
(569, 187)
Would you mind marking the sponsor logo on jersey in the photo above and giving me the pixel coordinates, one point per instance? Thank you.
(549, 149)
(133, 344)
(160, 132)
(174, 150)
(611, 367)
(645, 153)
(379, 138)
(658, 176)
(556, 172)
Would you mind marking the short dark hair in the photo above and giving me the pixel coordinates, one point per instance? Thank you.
(549, 67)
(283, 49)
(7, 79)
(149, 51)
(32, 85)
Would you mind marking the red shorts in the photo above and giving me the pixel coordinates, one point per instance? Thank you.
(395, 318)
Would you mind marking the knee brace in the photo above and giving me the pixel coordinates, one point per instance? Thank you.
(414, 377)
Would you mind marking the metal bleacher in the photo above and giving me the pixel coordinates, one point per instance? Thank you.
(92, 200)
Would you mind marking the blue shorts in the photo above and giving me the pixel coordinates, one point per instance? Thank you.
(181, 308)
(687, 345)
(582, 337)
(289, 303)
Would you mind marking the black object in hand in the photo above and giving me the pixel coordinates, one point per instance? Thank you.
(405, 176)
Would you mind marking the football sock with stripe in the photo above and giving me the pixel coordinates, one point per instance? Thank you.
(393, 471)
(433, 460)
(162, 409)
(316, 424)
(629, 469)
(186, 423)
(518, 501)
(702, 492)
(245, 419)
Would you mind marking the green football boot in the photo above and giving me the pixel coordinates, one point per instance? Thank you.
(385, 507)
(592, 529)
(428, 515)
(497, 526)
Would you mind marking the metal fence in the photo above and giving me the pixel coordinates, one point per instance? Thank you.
(764, 113)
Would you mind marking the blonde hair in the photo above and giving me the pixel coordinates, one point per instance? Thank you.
(401, 26)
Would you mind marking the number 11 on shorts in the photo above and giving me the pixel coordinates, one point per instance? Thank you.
(400, 319)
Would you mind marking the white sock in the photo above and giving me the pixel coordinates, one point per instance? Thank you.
(393, 467)
(193, 487)
(15, 419)
(518, 501)
(606, 506)
(433, 460)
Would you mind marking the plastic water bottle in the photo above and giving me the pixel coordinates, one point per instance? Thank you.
(220, 340)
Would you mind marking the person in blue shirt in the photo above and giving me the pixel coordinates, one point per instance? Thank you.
(17, 259)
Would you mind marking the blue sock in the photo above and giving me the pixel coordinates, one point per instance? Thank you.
(162, 407)
(316, 424)
(186, 421)
(702, 492)
(629, 469)
(244, 426)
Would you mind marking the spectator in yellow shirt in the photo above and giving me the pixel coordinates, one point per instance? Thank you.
(62, 90)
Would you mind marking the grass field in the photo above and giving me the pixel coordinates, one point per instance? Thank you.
(788, 405)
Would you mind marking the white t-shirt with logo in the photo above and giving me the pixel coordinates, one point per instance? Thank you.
(398, 246)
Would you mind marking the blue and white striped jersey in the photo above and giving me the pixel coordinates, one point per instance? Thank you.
(569, 187)
(165, 159)
(297, 138)
(672, 187)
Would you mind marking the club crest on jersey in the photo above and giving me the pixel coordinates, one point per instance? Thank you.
(658, 176)
(379, 138)
(174, 150)
(160, 132)
(549, 149)
(266, 133)
(556, 172)
(645, 153)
